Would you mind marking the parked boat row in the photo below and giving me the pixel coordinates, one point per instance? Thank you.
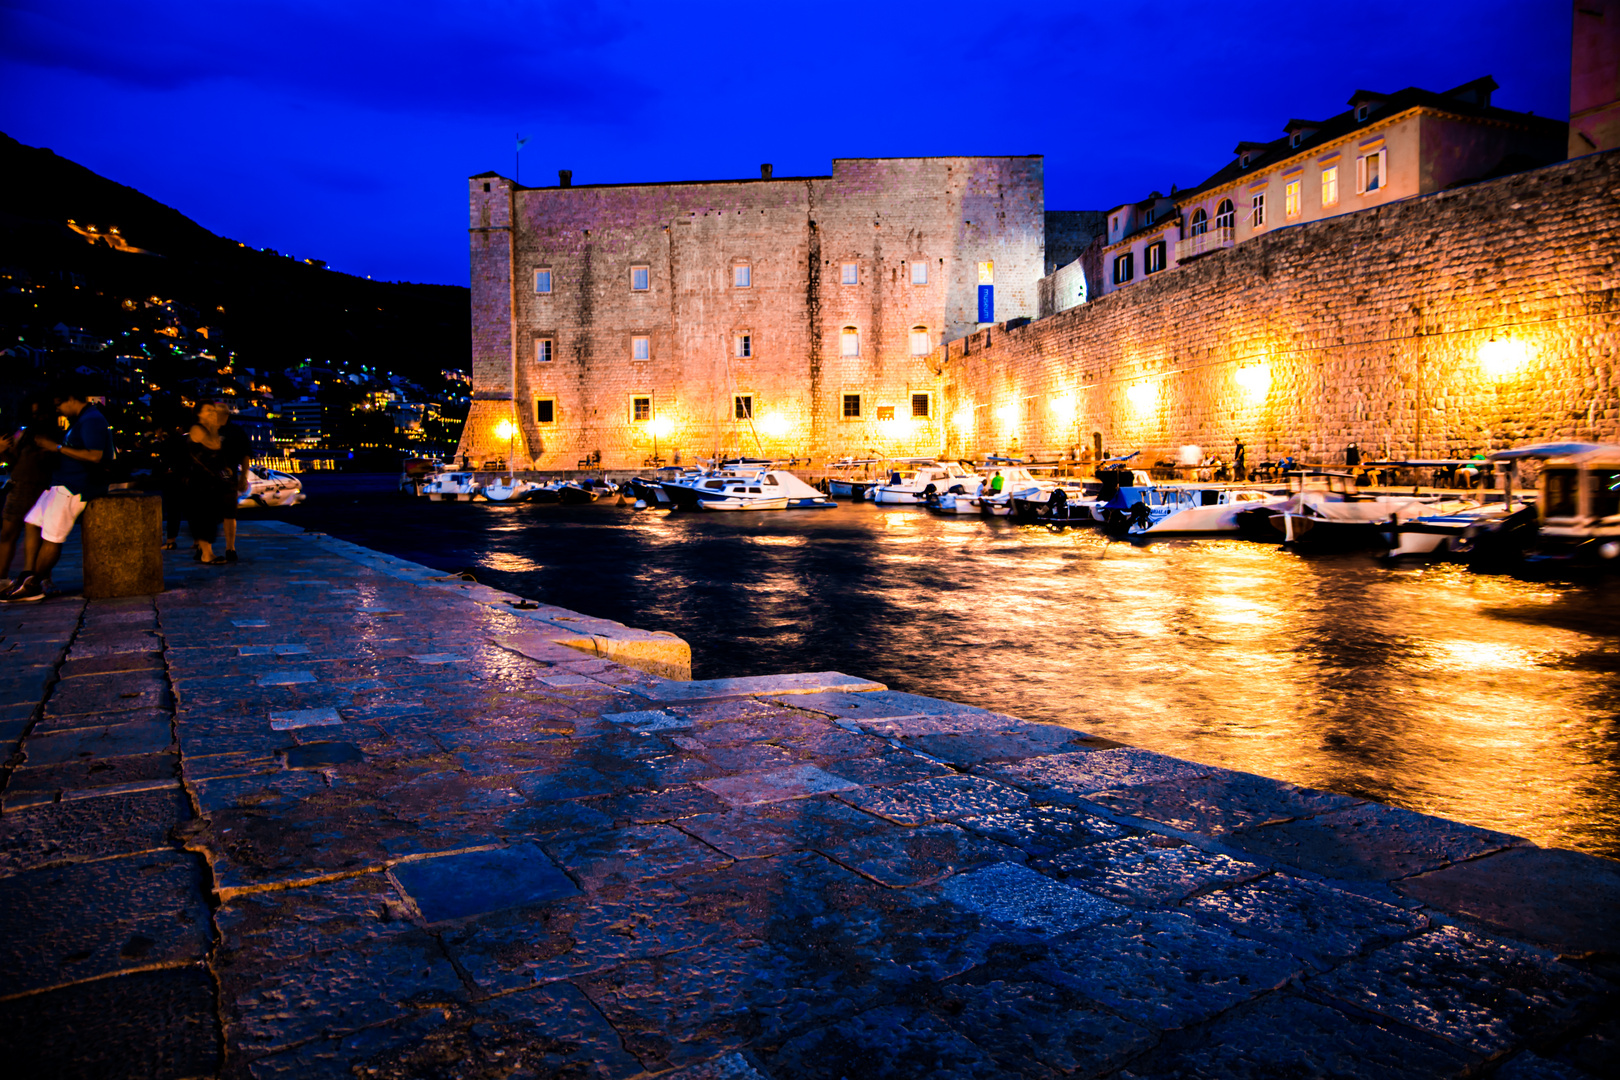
(456, 486)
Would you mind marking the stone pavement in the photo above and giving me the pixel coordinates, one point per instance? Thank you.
(326, 813)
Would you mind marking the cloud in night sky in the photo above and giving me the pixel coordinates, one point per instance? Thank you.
(345, 130)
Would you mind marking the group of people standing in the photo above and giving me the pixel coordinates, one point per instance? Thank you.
(201, 470)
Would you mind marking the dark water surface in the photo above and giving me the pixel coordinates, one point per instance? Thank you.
(1489, 700)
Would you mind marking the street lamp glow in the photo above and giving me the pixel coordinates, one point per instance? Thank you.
(1500, 359)
(1143, 395)
(1255, 379)
(964, 419)
(662, 426)
(1063, 407)
(774, 425)
(505, 431)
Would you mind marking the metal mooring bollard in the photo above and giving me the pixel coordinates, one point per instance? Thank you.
(122, 545)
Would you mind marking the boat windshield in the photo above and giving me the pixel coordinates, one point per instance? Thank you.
(1604, 490)
(1562, 493)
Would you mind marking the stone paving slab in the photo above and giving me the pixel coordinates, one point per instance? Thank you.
(487, 861)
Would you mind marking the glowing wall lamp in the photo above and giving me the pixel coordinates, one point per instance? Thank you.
(1255, 380)
(662, 426)
(774, 424)
(1499, 359)
(1063, 408)
(1007, 414)
(964, 419)
(1143, 395)
(508, 431)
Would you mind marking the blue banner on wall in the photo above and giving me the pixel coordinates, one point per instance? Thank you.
(987, 303)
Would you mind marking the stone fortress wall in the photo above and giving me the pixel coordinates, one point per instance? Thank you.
(795, 235)
(1438, 326)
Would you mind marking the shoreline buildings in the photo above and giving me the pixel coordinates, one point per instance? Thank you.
(626, 326)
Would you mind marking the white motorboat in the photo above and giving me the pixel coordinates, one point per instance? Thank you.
(745, 487)
(452, 487)
(1325, 509)
(851, 477)
(271, 487)
(1210, 510)
(511, 490)
(912, 480)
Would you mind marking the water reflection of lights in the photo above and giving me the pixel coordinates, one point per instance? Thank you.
(508, 563)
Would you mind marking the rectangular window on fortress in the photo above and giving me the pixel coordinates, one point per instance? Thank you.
(849, 274)
(1257, 215)
(852, 406)
(640, 348)
(921, 343)
(542, 350)
(1123, 270)
(640, 409)
(1291, 198)
(743, 406)
(742, 276)
(849, 342)
(919, 273)
(743, 346)
(640, 278)
(545, 411)
(1330, 186)
(542, 281)
(919, 407)
(1371, 172)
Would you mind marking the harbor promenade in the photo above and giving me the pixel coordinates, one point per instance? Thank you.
(329, 813)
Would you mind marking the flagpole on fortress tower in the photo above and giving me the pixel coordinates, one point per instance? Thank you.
(517, 158)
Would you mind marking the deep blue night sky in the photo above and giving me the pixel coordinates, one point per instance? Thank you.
(344, 129)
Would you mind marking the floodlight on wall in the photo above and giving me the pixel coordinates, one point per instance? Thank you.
(1499, 358)
(1255, 380)
(1007, 414)
(505, 431)
(662, 426)
(1143, 395)
(963, 419)
(774, 424)
(1063, 408)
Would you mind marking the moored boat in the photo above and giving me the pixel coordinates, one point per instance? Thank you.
(452, 486)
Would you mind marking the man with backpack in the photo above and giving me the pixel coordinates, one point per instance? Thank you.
(80, 462)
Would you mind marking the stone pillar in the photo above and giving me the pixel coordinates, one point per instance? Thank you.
(123, 553)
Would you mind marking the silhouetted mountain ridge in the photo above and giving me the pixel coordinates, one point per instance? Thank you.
(276, 310)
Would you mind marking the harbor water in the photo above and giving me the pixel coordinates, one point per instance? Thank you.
(1490, 700)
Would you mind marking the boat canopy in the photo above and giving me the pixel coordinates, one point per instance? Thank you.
(1551, 450)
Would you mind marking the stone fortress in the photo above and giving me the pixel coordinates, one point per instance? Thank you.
(920, 306)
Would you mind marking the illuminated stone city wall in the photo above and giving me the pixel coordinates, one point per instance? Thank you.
(637, 373)
(1439, 326)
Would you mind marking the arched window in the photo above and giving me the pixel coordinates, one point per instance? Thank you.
(921, 343)
(1225, 215)
(1200, 222)
(849, 342)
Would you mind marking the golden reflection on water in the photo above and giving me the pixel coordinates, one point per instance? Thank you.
(1483, 699)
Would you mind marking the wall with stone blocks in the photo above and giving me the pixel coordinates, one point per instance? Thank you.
(795, 234)
(1438, 326)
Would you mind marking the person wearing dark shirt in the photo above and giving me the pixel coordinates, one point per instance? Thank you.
(30, 476)
(1240, 462)
(234, 450)
(81, 460)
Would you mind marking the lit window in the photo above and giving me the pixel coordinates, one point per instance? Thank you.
(1257, 215)
(640, 278)
(742, 276)
(849, 342)
(743, 406)
(1330, 186)
(1123, 269)
(542, 281)
(1371, 171)
(919, 273)
(919, 407)
(1200, 222)
(852, 406)
(744, 346)
(1291, 198)
(640, 348)
(640, 409)
(542, 350)
(1153, 258)
(921, 343)
(885, 412)
(545, 411)
(849, 274)
(987, 273)
(1225, 215)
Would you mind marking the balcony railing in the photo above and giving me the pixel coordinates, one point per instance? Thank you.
(1203, 243)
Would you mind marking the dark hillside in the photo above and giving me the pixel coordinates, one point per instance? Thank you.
(269, 309)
